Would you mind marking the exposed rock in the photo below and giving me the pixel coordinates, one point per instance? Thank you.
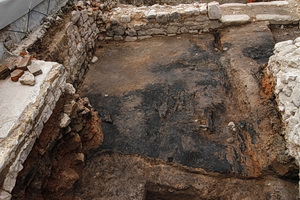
(27, 79)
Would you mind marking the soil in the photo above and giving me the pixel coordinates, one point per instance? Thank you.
(185, 110)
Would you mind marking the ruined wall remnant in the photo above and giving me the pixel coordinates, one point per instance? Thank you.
(285, 67)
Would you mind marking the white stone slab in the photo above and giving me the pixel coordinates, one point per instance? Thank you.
(273, 17)
(14, 97)
(235, 19)
(271, 3)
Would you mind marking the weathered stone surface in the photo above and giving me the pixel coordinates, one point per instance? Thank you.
(162, 17)
(35, 69)
(274, 18)
(151, 14)
(27, 79)
(64, 121)
(235, 19)
(214, 10)
(75, 15)
(16, 74)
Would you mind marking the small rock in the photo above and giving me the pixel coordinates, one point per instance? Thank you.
(35, 69)
(27, 79)
(75, 16)
(24, 62)
(90, 11)
(69, 88)
(16, 74)
(95, 59)
(230, 140)
(65, 121)
(125, 19)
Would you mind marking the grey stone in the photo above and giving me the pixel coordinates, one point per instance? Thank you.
(151, 14)
(203, 9)
(130, 39)
(27, 79)
(155, 31)
(35, 69)
(214, 10)
(118, 38)
(274, 18)
(172, 29)
(174, 16)
(162, 17)
(144, 37)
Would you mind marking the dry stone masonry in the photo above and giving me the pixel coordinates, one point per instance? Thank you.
(285, 67)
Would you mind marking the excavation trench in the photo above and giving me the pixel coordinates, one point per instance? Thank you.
(188, 102)
(189, 116)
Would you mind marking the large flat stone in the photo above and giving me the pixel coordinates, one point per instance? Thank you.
(274, 18)
(235, 19)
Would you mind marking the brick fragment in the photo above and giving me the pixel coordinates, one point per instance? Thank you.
(15, 75)
(24, 62)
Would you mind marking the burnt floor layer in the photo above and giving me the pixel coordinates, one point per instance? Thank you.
(172, 98)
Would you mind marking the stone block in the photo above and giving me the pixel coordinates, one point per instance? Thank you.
(151, 14)
(24, 62)
(27, 79)
(130, 39)
(118, 38)
(35, 69)
(16, 74)
(214, 10)
(174, 16)
(172, 29)
(274, 18)
(191, 11)
(75, 15)
(203, 9)
(155, 31)
(235, 19)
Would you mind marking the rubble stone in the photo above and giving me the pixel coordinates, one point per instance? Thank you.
(27, 79)
(4, 72)
(24, 62)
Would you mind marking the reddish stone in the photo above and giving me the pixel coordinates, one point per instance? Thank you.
(15, 75)
(24, 62)
(3, 69)
(95, 8)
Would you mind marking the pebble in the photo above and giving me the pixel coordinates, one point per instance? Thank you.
(95, 59)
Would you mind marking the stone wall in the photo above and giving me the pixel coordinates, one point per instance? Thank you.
(285, 67)
(26, 128)
(134, 23)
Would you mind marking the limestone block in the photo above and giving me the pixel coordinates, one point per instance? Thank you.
(235, 19)
(151, 14)
(27, 79)
(191, 11)
(174, 16)
(274, 18)
(214, 10)
(278, 46)
(118, 38)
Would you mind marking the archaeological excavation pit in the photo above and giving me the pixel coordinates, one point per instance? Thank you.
(156, 100)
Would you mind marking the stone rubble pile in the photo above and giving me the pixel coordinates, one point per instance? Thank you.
(285, 67)
(20, 68)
